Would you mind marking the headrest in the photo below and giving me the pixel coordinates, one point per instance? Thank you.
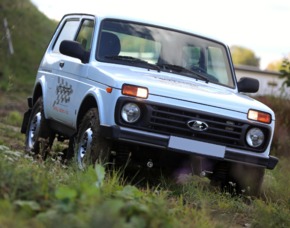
(109, 45)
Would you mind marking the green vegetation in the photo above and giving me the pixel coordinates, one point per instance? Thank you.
(275, 65)
(30, 33)
(49, 194)
(281, 65)
(281, 140)
(285, 71)
(14, 118)
(244, 56)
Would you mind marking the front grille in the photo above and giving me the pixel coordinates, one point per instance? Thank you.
(174, 122)
(168, 120)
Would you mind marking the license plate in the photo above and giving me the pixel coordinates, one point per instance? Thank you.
(196, 147)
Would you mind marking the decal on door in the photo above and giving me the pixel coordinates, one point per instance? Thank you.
(63, 94)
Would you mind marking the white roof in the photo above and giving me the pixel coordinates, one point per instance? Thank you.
(102, 15)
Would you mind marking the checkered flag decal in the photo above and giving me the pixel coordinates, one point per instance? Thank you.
(63, 92)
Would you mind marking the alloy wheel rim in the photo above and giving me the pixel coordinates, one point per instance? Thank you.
(84, 147)
(34, 130)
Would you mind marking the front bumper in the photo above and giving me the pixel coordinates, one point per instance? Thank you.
(183, 145)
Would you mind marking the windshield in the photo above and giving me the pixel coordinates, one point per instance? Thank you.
(162, 49)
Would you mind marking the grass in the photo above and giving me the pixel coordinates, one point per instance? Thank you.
(14, 118)
(30, 33)
(49, 194)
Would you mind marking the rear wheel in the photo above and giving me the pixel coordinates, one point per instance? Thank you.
(39, 137)
(90, 146)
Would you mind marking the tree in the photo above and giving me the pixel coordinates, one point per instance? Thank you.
(285, 72)
(244, 56)
(275, 65)
(279, 65)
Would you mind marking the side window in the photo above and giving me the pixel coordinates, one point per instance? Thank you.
(85, 34)
(216, 65)
(68, 32)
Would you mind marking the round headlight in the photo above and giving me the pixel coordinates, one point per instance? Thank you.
(255, 137)
(130, 112)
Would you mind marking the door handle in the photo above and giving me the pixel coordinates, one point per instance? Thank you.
(61, 64)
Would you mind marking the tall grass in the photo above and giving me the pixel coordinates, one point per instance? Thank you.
(49, 194)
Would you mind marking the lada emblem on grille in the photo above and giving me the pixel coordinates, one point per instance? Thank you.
(197, 125)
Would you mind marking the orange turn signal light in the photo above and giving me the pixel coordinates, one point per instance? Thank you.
(262, 117)
(135, 91)
(109, 89)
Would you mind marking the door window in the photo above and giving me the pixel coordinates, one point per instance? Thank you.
(68, 32)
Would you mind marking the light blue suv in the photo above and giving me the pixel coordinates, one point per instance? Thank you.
(168, 98)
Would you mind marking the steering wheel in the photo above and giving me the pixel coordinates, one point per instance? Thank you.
(202, 71)
(198, 69)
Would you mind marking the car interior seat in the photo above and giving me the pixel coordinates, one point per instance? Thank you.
(109, 45)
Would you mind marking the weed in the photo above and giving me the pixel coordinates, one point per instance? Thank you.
(49, 194)
(14, 118)
(7, 80)
(271, 215)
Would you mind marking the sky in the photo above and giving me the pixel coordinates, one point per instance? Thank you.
(259, 25)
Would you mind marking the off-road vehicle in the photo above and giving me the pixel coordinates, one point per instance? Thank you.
(115, 86)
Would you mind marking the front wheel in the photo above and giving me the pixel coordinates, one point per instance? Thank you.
(39, 137)
(249, 178)
(90, 146)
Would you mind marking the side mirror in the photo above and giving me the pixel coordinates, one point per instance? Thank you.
(248, 85)
(74, 49)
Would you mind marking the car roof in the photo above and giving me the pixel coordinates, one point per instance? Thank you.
(101, 16)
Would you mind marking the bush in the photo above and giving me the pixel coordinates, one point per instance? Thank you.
(281, 139)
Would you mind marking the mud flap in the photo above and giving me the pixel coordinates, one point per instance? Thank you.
(25, 121)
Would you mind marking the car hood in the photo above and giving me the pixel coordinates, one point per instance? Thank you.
(179, 87)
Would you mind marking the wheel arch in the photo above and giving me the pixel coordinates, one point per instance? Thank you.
(41, 90)
(88, 103)
(37, 93)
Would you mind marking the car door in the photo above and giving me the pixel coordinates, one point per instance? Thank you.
(67, 72)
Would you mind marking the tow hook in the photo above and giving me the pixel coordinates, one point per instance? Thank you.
(150, 164)
(205, 173)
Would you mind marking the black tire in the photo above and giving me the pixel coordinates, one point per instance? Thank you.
(39, 137)
(90, 147)
(248, 178)
(238, 179)
(69, 152)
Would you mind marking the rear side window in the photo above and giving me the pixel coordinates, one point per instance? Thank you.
(68, 32)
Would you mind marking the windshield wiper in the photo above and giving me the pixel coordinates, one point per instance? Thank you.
(133, 60)
(181, 69)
